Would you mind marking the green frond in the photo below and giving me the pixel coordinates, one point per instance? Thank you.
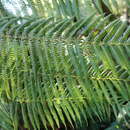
(62, 81)
(64, 64)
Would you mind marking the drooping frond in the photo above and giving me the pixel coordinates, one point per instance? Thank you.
(48, 82)
(92, 28)
(59, 67)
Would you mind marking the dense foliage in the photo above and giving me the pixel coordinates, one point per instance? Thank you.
(62, 67)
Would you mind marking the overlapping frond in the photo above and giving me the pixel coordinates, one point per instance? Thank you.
(60, 70)
(49, 82)
(92, 28)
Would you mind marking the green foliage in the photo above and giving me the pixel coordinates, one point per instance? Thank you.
(116, 7)
(65, 8)
(92, 28)
(49, 82)
(61, 67)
